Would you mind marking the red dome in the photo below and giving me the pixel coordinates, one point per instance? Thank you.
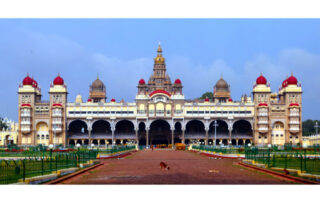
(285, 83)
(142, 81)
(89, 100)
(58, 81)
(230, 99)
(206, 100)
(113, 100)
(261, 80)
(177, 81)
(27, 81)
(35, 83)
(292, 80)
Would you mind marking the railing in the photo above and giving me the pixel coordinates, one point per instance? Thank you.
(116, 149)
(308, 161)
(206, 148)
(11, 171)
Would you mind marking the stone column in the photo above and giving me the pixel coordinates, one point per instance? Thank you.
(172, 138)
(147, 137)
(207, 136)
(183, 130)
(112, 133)
(89, 136)
(230, 133)
(137, 138)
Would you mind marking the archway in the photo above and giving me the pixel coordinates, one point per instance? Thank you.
(234, 142)
(278, 134)
(177, 132)
(101, 129)
(242, 129)
(78, 128)
(240, 142)
(142, 133)
(160, 132)
(195, 130)
(42, 132)
(71, 142)
(124, 129)
(222, 129)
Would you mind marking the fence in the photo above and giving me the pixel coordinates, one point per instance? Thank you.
(13, 170)
(218, 149)
(306, 161)
(116, 149)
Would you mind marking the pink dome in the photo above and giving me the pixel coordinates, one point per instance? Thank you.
(27, 81)
(261, 80)
(58, 81)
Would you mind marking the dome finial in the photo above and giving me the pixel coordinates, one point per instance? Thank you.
(159, 48)
(221, 77)
(98, 76)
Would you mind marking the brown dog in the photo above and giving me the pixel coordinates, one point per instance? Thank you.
(163, 165)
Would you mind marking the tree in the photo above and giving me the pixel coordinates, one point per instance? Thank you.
(308, 127)
(207, 95)
(3, 125)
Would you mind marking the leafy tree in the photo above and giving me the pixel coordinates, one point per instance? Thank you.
(207, 95)
(308, 127)
(3, 125)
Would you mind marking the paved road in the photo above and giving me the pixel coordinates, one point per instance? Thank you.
(185, 168)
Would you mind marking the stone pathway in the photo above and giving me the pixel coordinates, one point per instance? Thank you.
(186, 167)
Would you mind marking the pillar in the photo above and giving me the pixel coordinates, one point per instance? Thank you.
(183, 136)
(147, 138)
(237, 142)
(137, 138)
(207, 136)
(230, 135)
(172, 138)
(112, 135)
(82, 141)
(89, 138)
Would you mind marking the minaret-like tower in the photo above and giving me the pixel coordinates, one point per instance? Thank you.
(159, 79)
(221, 91)
(261, 98)
(28, 92)
(58, 105)
(292, 98)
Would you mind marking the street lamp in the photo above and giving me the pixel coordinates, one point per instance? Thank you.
(51, 147)
(92, 145)
(316, 126)
(215, 132)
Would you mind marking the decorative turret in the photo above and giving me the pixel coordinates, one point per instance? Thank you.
(221, 91)
(98, 91)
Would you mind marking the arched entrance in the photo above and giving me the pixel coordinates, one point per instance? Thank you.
(43, 134)
(222, 130)
(241, 130)
(124, 130)
(160, 132)
(278, 133)
(101, 129)
(195, 130)
(142, 133)
(177, 132)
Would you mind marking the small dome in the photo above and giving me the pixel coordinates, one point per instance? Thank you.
(98, 85)
(177, 81)
(27, 81)
(261, 80)
(113, 100)
(222, 85)
(58, 81)
(230, 99)
(35, 83)
(79, 98)
(292, 80)
(206, 100)
(159, 59)
(142, 82)
(285, 83)
(89, 100)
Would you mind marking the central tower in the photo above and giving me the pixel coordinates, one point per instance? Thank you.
(159, 79)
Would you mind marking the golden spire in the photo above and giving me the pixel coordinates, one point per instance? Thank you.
(159, 59)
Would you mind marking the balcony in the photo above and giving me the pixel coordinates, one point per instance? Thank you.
(57, 130)
(263, 122)
(294, 129)
(57, 122)
(25, 123)
(57, 114)
(294, 122)
(294, 114)
(25, 114)
(263, 114)
(263, 129)
(25, 129)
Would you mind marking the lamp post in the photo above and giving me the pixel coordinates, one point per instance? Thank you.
(215, 132)
(51, 147)
(269, 151)
(316, 126)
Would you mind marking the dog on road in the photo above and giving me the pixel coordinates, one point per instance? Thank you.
(163, 165)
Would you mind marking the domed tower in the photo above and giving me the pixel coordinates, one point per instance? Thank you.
(221, 92)
(159, 79)
(98, 91)
(142, 87)
(177, 87)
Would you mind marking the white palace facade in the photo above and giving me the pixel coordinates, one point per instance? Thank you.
(160, 114)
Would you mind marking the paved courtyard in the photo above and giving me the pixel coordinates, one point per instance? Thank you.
(185, 168)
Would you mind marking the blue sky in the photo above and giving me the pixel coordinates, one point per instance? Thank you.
(121, 51)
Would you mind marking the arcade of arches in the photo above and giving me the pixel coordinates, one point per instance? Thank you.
(103, 132)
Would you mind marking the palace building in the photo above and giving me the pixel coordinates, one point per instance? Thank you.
(160, 114)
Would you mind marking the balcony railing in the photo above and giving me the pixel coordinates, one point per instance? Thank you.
(263, 129)
(294, 114)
